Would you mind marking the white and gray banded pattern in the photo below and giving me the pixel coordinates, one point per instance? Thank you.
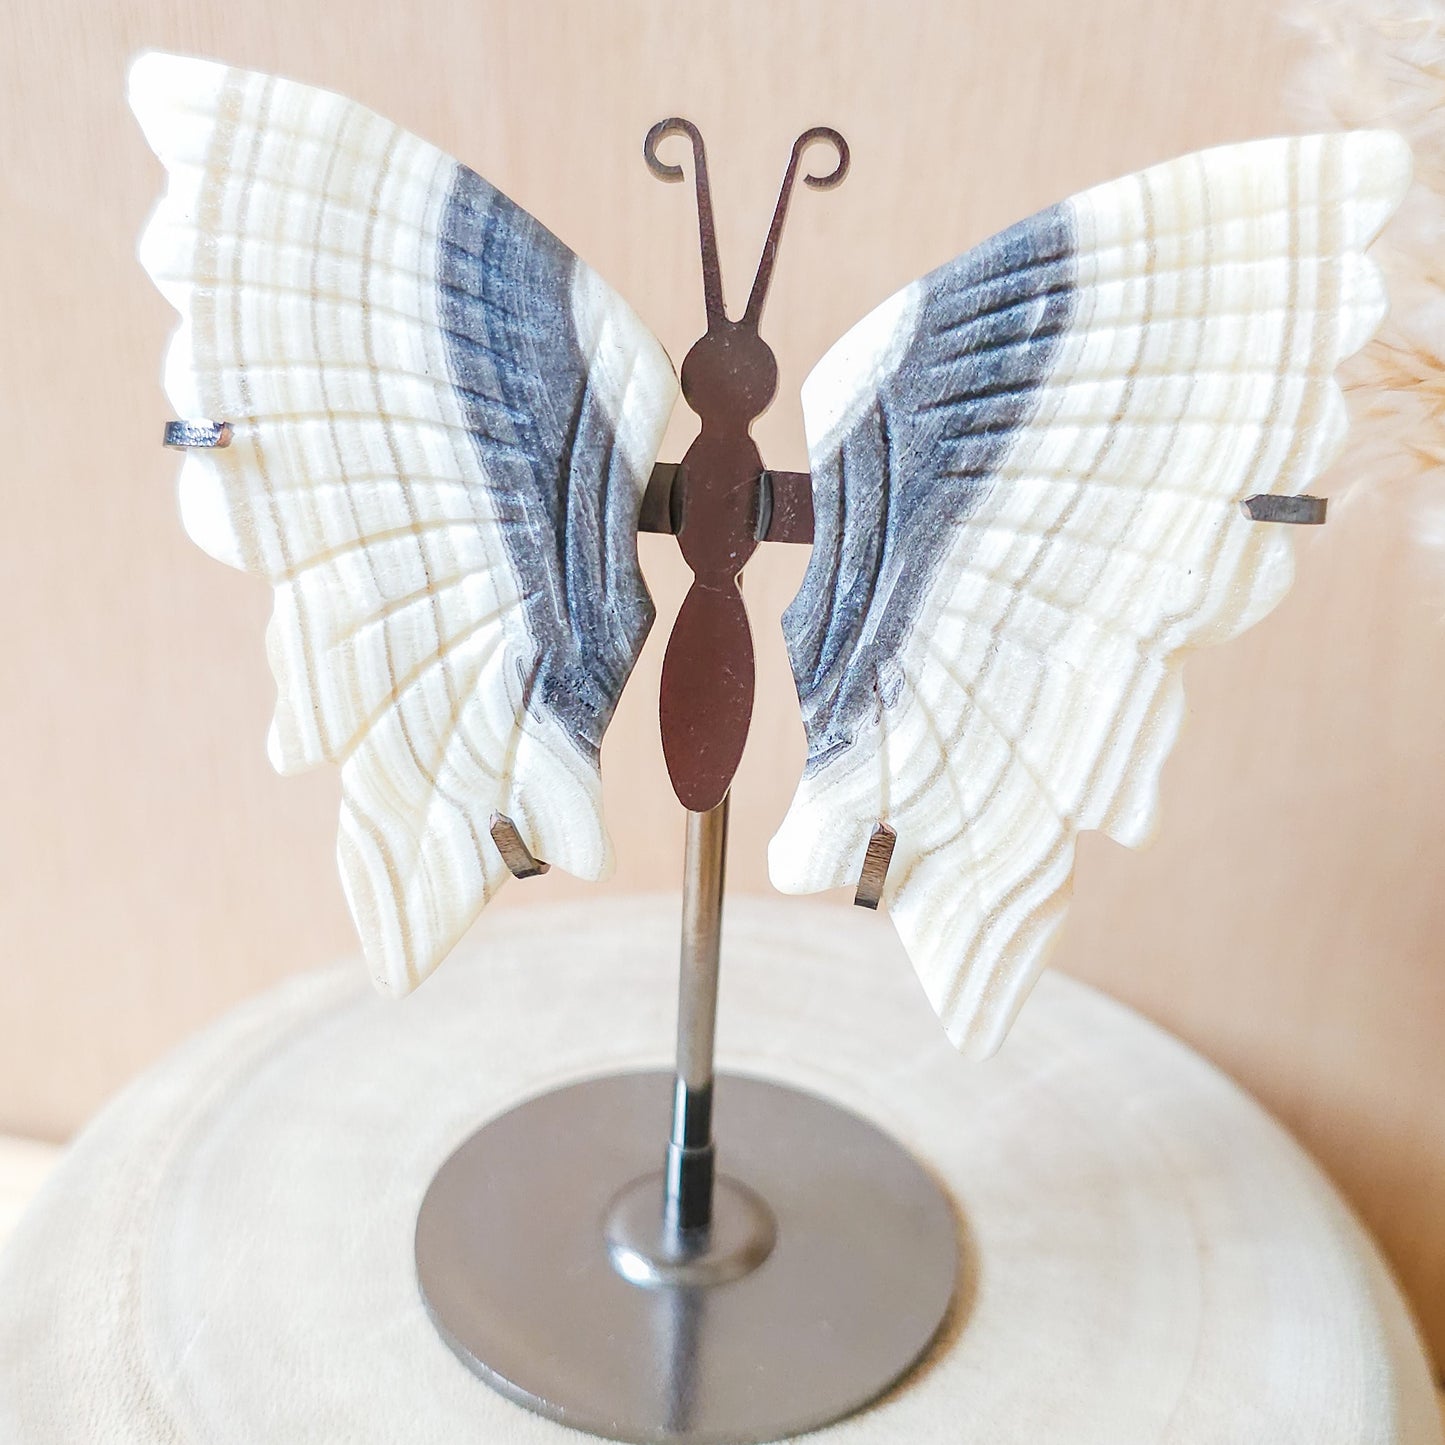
(443, 423)
(921, 459)
(1027, 470)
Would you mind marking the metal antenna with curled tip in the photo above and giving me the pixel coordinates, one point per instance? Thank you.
(764, 278)
(707, 233)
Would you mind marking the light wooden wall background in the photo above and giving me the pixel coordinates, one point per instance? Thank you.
(153, 871)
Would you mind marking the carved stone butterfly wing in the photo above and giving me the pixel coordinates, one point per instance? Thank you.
(442, 424)
(1027, 476)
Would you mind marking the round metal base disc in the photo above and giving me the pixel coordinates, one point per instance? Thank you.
(513, 1261)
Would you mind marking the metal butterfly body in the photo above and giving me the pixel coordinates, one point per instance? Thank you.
(1027, 471)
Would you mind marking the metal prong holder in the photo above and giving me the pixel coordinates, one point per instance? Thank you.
(647, 1281)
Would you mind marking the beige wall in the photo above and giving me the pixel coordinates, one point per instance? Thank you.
(154, 871)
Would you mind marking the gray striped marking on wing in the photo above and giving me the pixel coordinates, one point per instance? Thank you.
(919, 462)
(559, 483)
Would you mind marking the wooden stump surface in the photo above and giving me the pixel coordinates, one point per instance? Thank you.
(224, 1257)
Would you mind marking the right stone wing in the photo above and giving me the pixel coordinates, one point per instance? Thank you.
(1027, 477)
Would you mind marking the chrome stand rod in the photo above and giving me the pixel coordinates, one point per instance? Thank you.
(687, 1202)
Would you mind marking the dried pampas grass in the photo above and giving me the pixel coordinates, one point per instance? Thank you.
(1382, 63)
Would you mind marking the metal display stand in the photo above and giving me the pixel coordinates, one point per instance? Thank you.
(578, 1254)
(647, 1303)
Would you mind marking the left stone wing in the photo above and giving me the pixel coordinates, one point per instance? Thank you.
(442, 426)
(1027, 471)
